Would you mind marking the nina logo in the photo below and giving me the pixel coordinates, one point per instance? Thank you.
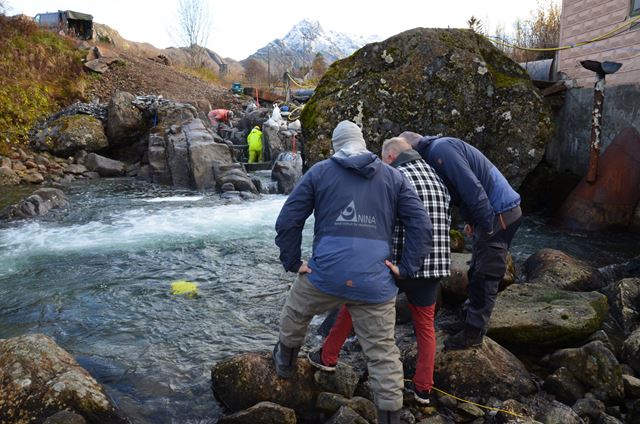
(349, 216)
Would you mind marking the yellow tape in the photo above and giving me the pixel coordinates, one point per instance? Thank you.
(478, 405)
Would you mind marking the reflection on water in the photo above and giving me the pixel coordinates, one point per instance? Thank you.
(98, 281)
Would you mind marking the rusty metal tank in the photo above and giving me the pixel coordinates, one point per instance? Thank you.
(609, 202)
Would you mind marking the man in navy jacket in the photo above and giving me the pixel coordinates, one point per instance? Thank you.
(491, 209)
(355, 199)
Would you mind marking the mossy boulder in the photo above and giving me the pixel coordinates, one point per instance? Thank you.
(38, 378)
(541, 316)
(69, 134)
(557, 269)
(433, 81)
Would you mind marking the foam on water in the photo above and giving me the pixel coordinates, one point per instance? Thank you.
(174, 199)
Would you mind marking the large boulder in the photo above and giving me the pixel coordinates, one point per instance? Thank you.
(433, 81)
(69, 134)
(246, 379)
(262, 413)
(631, 351)
(542, 316)
(234, 176)
(38, 379)
(558, 269)
(595, 366)
(126, 123)
(39, 203)
(286, 171)
(624, 303)
(481, 372)
(104, 166)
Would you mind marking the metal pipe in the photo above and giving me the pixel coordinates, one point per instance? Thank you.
(596, 128)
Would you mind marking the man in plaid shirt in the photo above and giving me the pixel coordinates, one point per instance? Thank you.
(421, 289)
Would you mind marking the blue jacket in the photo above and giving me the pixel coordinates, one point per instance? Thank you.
(355, 201)
(475, 184)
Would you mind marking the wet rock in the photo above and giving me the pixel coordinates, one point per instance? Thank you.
(240, 381)
(227, 187)
(541, 316)
(38, 378)
(33, 178)
(564, 386)
(126, 123)
(628, 269)
(331, 402)
(232, 175)
(469, 412)
(435, 419)
(624, 303)
(346, 415)
(5, 162)
(39, 203)
(65, 417)
(593, 365)
(457, 241)
(512, 405)
(482, 372)
(454, 287)
(68, 134)
(343, 381)
(8, 177)
(286, 171)
(631, 350)
(560, 413)
(557, 269)
(253, 118)
(105, 167)
(434, 81)
(631, 386)
(608, 419)
(75, 169)
(262, 413)
(589, 409)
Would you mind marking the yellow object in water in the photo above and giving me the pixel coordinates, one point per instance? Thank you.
(184, 287)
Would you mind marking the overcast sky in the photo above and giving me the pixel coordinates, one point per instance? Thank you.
(241, 27)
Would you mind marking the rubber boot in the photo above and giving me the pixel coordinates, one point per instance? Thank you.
(285, 359)
(468, 337)
(388, 417)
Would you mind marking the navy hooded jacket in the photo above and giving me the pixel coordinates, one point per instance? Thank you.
(476, 186)
(355, 201)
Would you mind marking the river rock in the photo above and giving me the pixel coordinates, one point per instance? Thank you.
(253, 118)
(39, 203)
(589, 409)
(558, 413)
(286, 171)
(75, 169)
(246, 379)
(631, 350)
(331, 403)
(558, 269)
(631, 386)
(65, 417)
(454, 287)
(564, 386)
(105, 167)
(433, 81)
(262, 413)
(38, 379)
(273, 141)
(343, 381)
(541, 316)
(346, 415)
(8, 177)
(624, 303)
(232, 177)
(68, 134)
(481, 372)
(126, 123)
(593, 365)
(33, 178)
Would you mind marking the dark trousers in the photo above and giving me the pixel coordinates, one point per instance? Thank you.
(488, 265)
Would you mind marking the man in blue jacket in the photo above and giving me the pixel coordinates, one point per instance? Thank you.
(491, 209)
(355, 199)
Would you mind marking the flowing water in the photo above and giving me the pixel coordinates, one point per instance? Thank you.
(97, 279)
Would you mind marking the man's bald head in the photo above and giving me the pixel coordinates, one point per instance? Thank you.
(392, 147)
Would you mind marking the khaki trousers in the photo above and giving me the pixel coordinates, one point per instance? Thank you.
(374, 325)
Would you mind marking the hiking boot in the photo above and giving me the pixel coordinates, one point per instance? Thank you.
(315, 358)
(284, 359)
(468, 337)
(388, 417)
(421, 396)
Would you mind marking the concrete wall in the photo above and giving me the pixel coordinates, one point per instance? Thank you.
(569, 149)
(582, 20)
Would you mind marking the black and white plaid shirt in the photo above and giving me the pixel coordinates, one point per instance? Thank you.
(435, 197)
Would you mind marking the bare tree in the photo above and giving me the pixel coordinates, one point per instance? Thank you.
(3, 7)
(475, 24)
(192, 27)
(256, 72)
(319, 66)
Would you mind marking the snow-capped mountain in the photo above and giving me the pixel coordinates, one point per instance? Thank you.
(301, 44)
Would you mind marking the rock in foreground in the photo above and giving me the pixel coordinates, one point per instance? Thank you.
(38, 379)
(40, 203)
(557, 269)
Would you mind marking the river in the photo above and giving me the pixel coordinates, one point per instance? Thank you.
(97, 279)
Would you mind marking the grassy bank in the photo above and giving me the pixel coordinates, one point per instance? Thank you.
(40, 72)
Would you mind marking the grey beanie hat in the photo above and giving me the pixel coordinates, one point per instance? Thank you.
(411, 138)
(347, 137)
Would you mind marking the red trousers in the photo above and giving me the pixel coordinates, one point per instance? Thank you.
(422, 316)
